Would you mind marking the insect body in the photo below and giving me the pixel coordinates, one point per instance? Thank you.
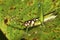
(36, 21)
(30, 22)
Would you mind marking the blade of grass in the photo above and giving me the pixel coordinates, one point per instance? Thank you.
(41, 12)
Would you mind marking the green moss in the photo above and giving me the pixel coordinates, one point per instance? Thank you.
(18, 11)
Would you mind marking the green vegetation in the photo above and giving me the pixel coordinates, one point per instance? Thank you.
(14, 13)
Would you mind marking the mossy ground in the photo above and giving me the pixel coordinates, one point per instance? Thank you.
(13, 13)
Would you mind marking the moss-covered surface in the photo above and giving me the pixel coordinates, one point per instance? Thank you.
(13, 13)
